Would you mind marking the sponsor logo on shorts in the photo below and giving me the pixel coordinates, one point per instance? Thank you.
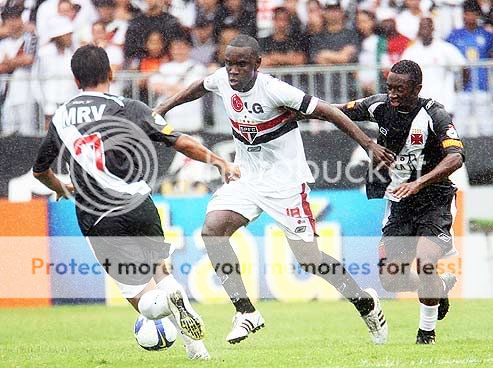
(444, 237)
(300, 229)
(383, 131)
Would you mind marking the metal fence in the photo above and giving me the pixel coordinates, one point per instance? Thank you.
(471, 91)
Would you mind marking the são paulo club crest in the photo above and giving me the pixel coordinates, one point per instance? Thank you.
(249, 132)
(236, 103)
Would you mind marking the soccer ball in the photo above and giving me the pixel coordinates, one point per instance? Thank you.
(154, 334)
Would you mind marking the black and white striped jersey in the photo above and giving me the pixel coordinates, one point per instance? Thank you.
(107, 143)
(420, 138)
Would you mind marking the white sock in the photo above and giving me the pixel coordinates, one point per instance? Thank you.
(154, 304)
(169, 285)
(428, 316)
(186, 340)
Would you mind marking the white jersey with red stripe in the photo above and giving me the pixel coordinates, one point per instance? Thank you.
(269, 151)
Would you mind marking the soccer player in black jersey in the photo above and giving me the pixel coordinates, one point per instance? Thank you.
(421, 197)
(107, 142)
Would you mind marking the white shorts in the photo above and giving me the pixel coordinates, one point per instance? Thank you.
(292, 214)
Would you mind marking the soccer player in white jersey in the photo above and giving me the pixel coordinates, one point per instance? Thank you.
(274, 177)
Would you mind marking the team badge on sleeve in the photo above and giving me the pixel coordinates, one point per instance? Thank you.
(159, 120)
(452, 132)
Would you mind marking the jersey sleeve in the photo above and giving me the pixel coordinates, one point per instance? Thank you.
(153, 124)
(49, 150)
(211, 82)
(285, 95)
(363, 109)
(445, 131)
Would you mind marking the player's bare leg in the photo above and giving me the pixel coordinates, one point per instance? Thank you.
(431, 290)
(217, 229)
(366, 302)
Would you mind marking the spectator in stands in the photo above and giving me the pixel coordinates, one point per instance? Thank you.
(106, 10)
(156, 53)
(101, 38)
(16, 58)
(408, 20)
(117, 29)
(367, 58)
(295, 27)
(447, 16)
(52, 68)
(67, 9)
(476, 44)
(337, 45)
(238, 14)
(226, 35)
(208, 9)
(203, 43)
(315, 19)
(280, 48)
(392, 44)
(106, 13)
(173, 77)
(82, 14)
(486, 14)
(436, 59)
(155, 19)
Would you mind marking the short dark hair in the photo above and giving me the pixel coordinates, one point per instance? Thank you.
(243, 40)
(471, 6)
(11, 12)
(408, 67)
(90, 66)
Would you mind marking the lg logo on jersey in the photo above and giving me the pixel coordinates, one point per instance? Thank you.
(238, 104)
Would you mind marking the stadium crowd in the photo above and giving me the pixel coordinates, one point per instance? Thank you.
(174, 42)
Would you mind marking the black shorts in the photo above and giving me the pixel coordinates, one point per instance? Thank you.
(130, 246)
(409, 220)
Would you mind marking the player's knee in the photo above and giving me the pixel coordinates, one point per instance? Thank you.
(154, 304)
(213, 227)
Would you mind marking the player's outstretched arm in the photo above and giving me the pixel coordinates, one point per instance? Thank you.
(192, 92)
(196, 151)
(325, 111)
(446, 167)
(49, 179)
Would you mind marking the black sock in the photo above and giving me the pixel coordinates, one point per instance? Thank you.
(243, 305)
(227, 268)
(346, 285)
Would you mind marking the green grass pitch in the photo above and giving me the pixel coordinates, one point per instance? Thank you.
(315, 334)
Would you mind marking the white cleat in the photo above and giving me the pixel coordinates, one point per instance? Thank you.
(243, 324)
(189, 321)
(195, 349)
(376, 322)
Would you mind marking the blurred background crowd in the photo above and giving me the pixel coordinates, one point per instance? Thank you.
(336, 50)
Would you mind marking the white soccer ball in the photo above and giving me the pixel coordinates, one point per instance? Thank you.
(154, 334)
